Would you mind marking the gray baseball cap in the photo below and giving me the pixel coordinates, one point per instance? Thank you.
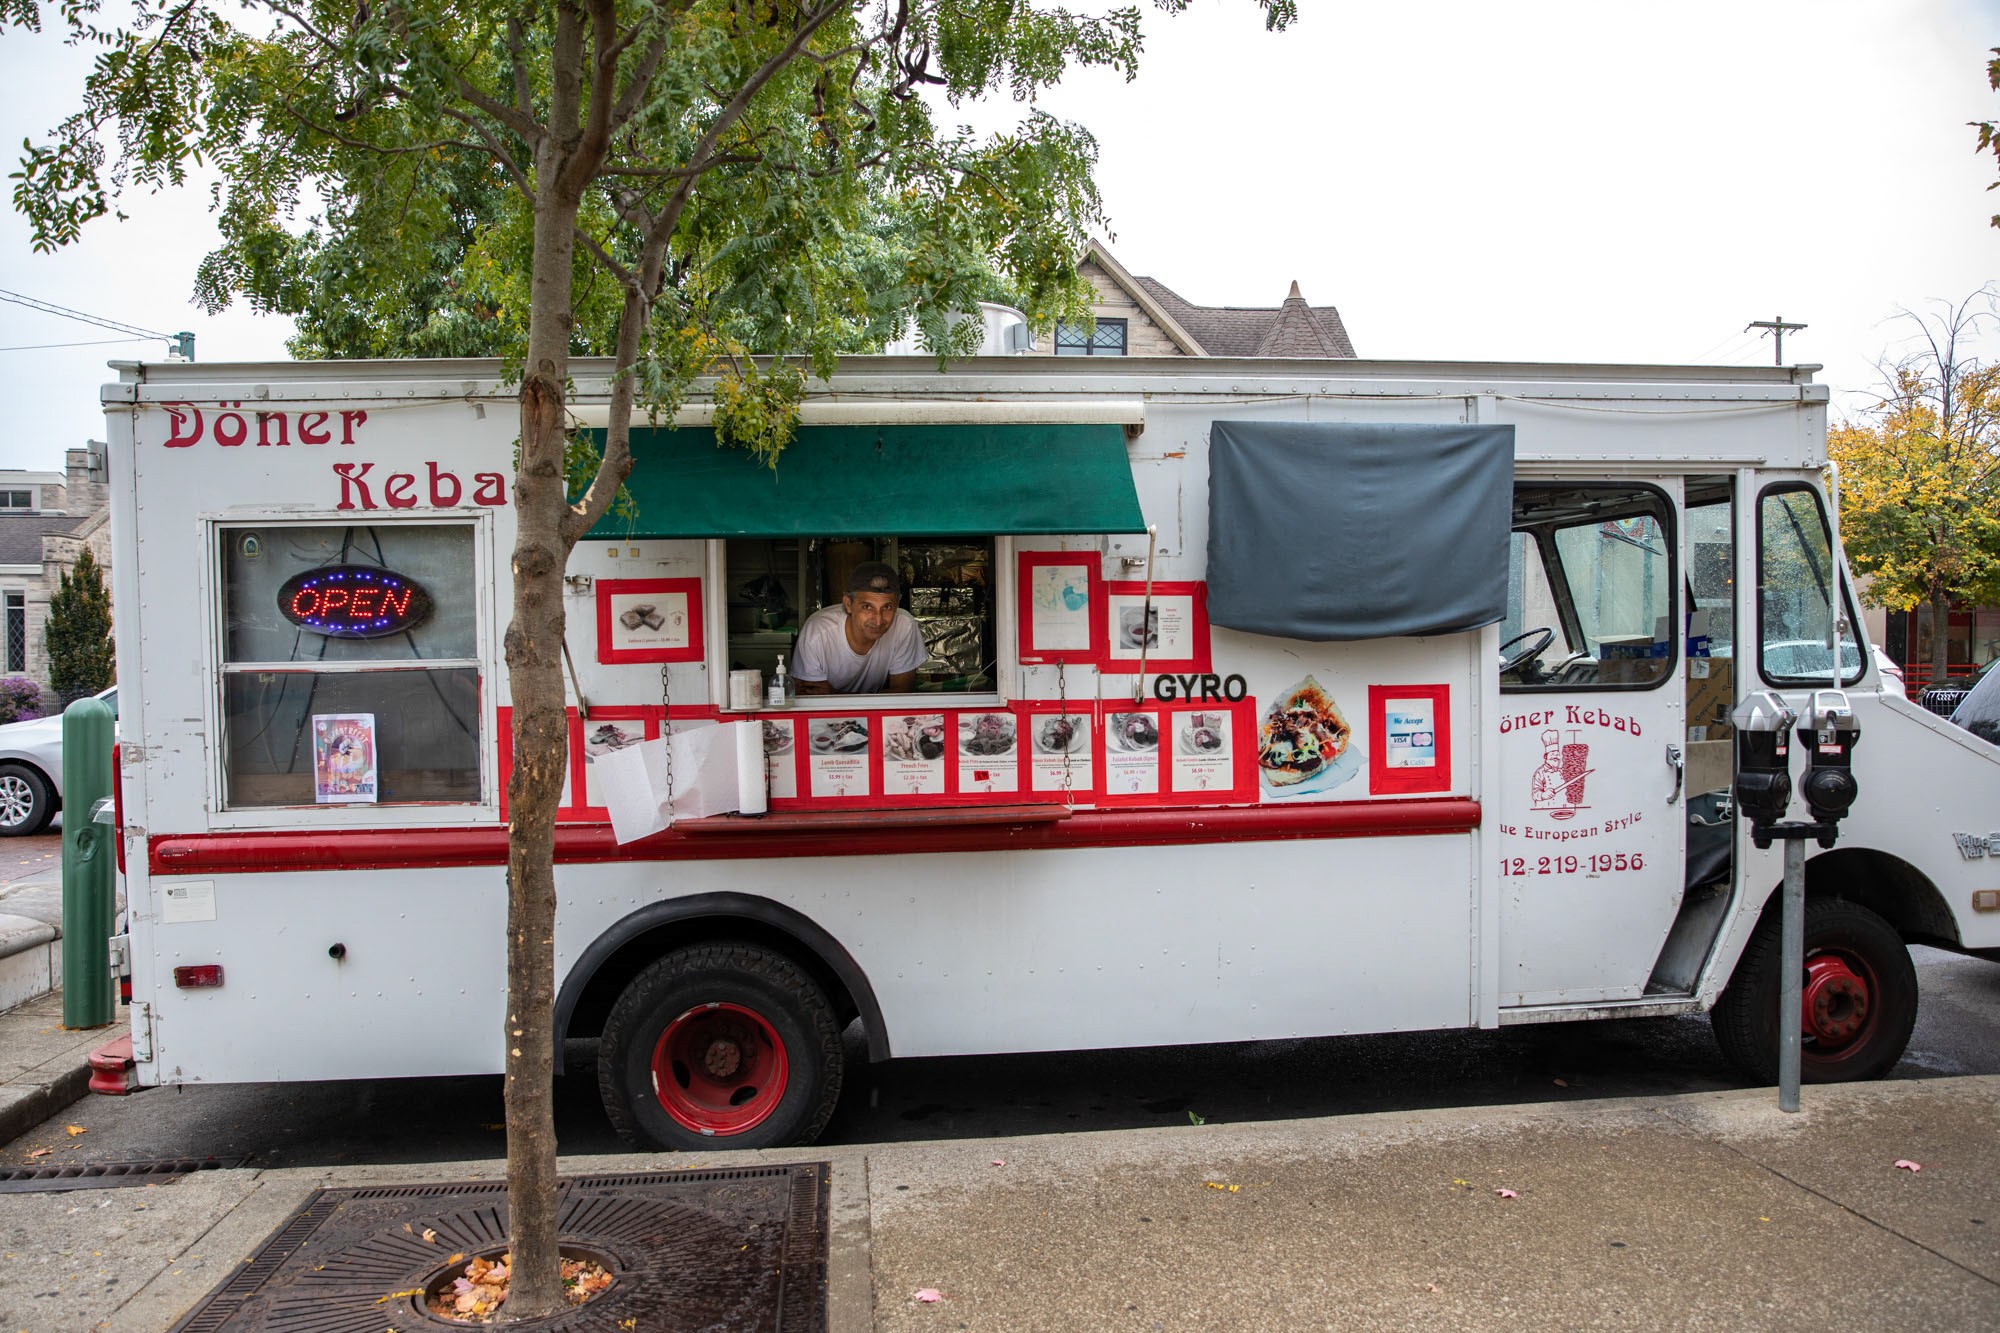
(874, 576)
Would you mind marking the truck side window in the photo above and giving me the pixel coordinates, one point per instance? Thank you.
(1794, 593)
(1591, 575)
(775, 583)
(350, 665)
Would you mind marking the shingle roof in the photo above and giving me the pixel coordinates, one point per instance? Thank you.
(1292, 329)
(21, 535)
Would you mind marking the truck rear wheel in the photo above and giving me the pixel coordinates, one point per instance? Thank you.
(720, 1046)
(1860, 997)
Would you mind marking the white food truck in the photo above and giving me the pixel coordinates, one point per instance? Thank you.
(1261, 699)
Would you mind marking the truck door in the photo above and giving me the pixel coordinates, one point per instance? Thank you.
(1592, 830)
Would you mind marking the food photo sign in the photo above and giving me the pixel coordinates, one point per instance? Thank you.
(1164, 630)
(649, 620)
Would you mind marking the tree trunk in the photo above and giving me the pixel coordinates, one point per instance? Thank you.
(541, 748)
(1940, 637)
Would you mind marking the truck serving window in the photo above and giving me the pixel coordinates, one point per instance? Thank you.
(1590, 589)
(774, 583)
(350, 665)
(1794, 593)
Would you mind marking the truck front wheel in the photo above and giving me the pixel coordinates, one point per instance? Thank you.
(1860, 997)
(720, 1046)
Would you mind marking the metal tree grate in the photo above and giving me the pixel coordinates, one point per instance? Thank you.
(105, 1175)
(741, 1248)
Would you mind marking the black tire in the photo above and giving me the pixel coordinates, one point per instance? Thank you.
(729, 997)
(1746, 1016)
(26, 801)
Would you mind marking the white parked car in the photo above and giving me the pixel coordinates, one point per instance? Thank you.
(31, 771)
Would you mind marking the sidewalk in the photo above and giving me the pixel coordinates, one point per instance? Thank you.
(1712, 1209)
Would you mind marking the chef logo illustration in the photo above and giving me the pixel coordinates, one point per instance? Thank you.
(1557, 786)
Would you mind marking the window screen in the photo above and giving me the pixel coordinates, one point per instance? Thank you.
(314, 718)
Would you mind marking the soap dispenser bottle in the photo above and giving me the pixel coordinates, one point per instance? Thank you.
(779, 693)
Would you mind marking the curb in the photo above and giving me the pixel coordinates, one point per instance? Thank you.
(22, 1108)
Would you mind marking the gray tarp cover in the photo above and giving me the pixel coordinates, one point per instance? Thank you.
(1335, 530)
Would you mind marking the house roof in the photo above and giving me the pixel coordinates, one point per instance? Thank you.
(1292, 329)
(21, 535)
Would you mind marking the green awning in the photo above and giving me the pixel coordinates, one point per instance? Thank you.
(858, 481)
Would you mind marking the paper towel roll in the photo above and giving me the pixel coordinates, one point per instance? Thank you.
(752, 797)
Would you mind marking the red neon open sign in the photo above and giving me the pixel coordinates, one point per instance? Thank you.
(353, 601)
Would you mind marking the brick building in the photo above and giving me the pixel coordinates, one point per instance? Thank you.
(46, 519)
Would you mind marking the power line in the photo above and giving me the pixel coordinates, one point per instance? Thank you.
(88, 342)
(183, 342)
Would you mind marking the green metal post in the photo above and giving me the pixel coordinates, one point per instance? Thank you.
(88, 859)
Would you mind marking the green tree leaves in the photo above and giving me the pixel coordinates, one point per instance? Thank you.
(78, 632)
(1920, 477)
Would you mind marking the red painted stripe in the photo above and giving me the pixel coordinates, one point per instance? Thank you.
(392, 849)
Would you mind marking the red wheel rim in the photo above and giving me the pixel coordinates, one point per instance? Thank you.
(719, 1069)
(1837, 1007)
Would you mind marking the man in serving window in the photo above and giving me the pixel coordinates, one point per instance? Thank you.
(863, 646)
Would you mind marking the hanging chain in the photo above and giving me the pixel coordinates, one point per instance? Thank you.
(667, 732)
(1062, 698)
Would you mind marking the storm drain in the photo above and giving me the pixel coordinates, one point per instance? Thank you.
(105, 1175)
(738, 1248)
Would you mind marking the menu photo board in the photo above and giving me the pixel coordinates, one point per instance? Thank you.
(891, 760)
(1061, 606)
(1058, 748)
(1165, 628)
(1179, 753)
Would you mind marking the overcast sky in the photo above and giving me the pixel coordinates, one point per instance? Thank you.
(1540, 182)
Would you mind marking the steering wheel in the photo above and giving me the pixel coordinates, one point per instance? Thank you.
(1542, 636)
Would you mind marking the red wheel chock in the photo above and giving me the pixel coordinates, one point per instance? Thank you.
(111, 1067)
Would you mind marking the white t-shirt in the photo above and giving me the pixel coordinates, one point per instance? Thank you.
(822, 652)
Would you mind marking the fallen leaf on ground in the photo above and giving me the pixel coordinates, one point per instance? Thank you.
(1562, 1083)
(1906, 1164)
(74, 1130)
(999, 1161)
(398, 1295)
(40, 1152)
(430, 1236)
(1218, 1185)
(1507, 1194)
(1430, 1286)
(928, 1295)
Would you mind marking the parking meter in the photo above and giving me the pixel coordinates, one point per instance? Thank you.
(1763, 761)
(1829, 732)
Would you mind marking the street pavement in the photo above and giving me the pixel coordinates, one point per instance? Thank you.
(1702, 1209)
(1706, 1210)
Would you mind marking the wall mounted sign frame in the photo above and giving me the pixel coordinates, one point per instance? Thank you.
(1174, 634)
(1409, 739)
(1061, 599)
(649, 620)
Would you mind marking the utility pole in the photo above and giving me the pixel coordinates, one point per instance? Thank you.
(1776, 326)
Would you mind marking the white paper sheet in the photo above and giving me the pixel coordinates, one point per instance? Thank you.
(716, 770)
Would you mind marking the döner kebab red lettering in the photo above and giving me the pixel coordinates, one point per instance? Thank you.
(360, 485)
